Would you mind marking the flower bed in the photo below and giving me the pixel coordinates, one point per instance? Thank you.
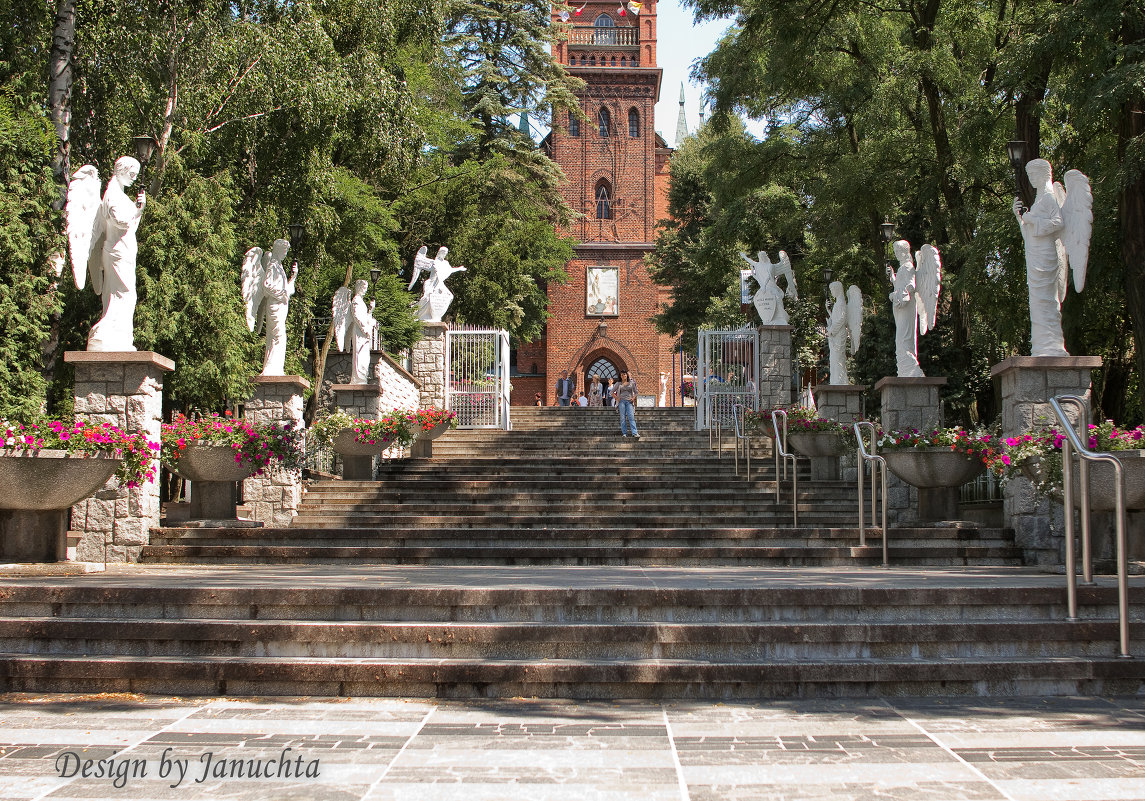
(976, 444)
(429, 419)
(1038, 453)
(84, 437)
(394, 428)
(252, 446)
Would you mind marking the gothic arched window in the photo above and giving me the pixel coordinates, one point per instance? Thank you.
(634, 123)
(605, 121)
(603, 201)
(605, 30)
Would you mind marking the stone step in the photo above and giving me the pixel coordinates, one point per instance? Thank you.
(570, 678)
(822, 556)
(612, 537)
(544, 640)
(433, 595)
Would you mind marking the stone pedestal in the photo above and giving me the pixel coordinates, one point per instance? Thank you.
(274, 497)
(359, 400)
(33, 536)
(1027, 383)
(214, 500)
(774, 366)
(842, 402)
(429, 364)
(124, 388)
(908, 403)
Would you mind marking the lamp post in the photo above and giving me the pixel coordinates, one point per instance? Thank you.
(828, 274)
(145, 147)
(375, 274)
(888, 229)
(1016, 150)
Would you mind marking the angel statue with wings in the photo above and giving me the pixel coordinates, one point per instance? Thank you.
(768, 299)
(352, 316)
(435, 296)
(101, 236)
(844, 319)
(914, 299)
(1056, 231)
(266, 293)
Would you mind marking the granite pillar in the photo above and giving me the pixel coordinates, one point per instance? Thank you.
(842, 402)
(774, 366)
(1027, 383)
(429, 364)
(274, 497)
(124, 388)
(911, 403)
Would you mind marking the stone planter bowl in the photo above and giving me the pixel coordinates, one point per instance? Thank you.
(346, 445)
(817, 444)
(203, 462)
(46, 480)
(1101, 492)
(931, 468)
(434, 432)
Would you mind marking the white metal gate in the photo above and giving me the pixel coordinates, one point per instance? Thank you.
(727, 365)
(477, 376)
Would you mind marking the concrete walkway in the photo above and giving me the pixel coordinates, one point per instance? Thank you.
(948, 749)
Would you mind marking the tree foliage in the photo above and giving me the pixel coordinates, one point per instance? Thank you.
(902, 112)
(378, 126)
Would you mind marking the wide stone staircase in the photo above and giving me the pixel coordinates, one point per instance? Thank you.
(564, 488)
(561, 560)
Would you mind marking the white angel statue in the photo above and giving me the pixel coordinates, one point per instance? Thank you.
(435, 296)
(101, 236)
(1056, 231)
(352, 316)
(844, 319)
(914, 300)
(266, 292)
(769, 298)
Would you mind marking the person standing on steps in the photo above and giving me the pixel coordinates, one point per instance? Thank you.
(581, 400)
(610, 393)
(626, 400)
(565, 388)
(596, 392)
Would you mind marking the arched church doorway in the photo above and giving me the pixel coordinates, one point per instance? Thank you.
(606, 369)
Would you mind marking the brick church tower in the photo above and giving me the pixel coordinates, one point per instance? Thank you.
(616, 169)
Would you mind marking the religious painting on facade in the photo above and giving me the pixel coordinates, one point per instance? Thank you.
(602, 286)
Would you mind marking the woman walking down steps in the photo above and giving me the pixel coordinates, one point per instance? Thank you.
(626, 400)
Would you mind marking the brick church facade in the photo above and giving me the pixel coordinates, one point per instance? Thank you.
(616, 169)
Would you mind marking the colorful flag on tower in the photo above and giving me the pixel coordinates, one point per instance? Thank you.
(635, 7)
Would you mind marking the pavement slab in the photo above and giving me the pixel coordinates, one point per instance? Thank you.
(311, 749)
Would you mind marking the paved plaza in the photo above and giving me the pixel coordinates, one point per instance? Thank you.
(543, 750)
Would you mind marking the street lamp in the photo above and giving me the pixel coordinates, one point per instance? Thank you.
(145, 147)
(1016, 150)
(375, 274)
(828, 274)
(297, 231)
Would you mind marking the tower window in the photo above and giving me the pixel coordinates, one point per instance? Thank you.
(605, 30)
(605, 121)
(574, 125)
(634, 123)
(603, 201)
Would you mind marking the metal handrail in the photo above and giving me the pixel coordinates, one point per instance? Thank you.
(781, 453)
(872, 459)
(739, 416)
(1085, 455)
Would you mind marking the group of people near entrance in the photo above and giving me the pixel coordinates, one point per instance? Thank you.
(621, 394)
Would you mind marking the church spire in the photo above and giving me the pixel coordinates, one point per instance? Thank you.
(681, 121)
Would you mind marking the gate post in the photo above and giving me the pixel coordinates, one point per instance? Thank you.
(429, 364)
